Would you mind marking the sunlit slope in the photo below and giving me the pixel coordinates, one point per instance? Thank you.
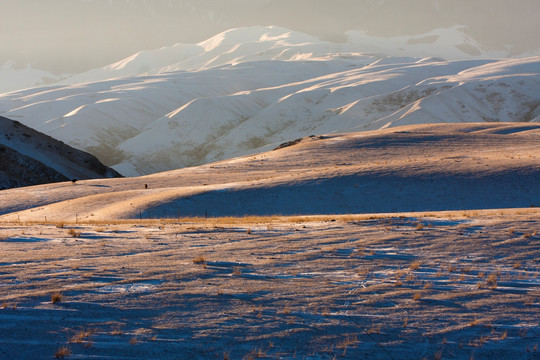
(411, 168)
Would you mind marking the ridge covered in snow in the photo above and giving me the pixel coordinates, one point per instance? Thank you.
(248, 90)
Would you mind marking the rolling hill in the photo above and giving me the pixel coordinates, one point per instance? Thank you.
(410, 168)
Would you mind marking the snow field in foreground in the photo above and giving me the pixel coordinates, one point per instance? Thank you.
(395, 287)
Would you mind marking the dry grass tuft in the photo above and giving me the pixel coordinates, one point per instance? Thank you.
(492, 280)
(374, 329)
(74, 233)
(56, 297)
(116, 332)
(286, 310)
(199, 260)
(255, 354)
(82, 336)
(415, 265)
(63, 352)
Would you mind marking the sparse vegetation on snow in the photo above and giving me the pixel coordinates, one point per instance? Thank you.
(290, 288)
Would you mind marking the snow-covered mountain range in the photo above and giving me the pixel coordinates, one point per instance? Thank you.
(248, 90)
(70, 36)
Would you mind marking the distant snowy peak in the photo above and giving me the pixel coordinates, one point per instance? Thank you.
(231, 47)
(15, 78)
(448, 43)
(260, 43)
(268, 34)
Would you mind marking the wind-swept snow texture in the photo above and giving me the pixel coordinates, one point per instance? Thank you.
(247, 90)
(28, 157)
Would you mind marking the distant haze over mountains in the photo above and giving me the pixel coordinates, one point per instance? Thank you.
(71, 36)
(247, 90)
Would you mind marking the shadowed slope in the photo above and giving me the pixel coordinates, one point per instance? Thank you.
(28, 157)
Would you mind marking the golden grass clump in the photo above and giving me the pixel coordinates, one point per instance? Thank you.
(199, 260)
(82, 336)
(492, 280)
(56, 297)
(74, 233)
(62, 353)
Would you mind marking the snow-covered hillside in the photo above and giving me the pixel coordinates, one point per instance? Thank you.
(248, 90)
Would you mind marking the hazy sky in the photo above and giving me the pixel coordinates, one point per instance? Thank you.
(75, 35)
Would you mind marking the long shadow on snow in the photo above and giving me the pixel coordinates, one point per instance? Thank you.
(364, 194)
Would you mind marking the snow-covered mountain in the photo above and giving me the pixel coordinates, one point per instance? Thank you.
(276, 43)
(248, 90)
(28, 157)
(15, 78)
